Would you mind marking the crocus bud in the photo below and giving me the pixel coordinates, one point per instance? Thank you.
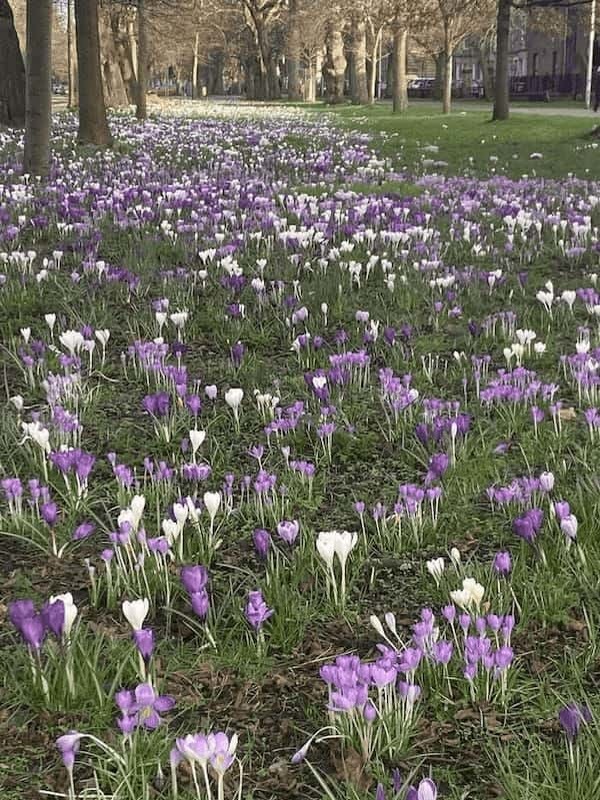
(233, 398)
(326, 547)
(212, 501)
(502, 563)
(568, 526)
(144, 641)
(135, 612)
(69, 746)
(70, 611)
(194, 579)
(262, 542)
(547, 481)
(196, 439)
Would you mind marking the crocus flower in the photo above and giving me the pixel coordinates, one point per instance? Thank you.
(426, 790)
(262, 542)
(194, 579)
(572, 717)
(68, 744)
(135, 612)
(502, 563)
(144, 640)
(256, 611)
(288, 530)
(143, 705)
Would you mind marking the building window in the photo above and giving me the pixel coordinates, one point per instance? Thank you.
(534, 64)
(554, 62)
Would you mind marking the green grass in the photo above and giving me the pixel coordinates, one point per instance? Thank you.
(563, 141)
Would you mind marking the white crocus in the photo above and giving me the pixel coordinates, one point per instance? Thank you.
(26, 334)
(137, 505)
(569, 297)
(470, 596)
(212, 503)
(233, 398)
(50, 322)
(196, 440)
(332, 544)
(17, 401)
(72, 340)
(135, 612)
(39, 434)
(70, 612)
(436, 567)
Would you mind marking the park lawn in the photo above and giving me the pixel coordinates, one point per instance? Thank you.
(470, 144)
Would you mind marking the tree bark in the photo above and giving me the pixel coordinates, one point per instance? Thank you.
(358, 62)
(447, 85)
(38, 112)
(484, 56)
(294, 47)
(126, 59)
(115, 92)
(93, 125)
(334, 65)
(195, 66)
(400, 99)
(12, 71)
(373, 73)
(501, 92)
(141, 110)
(73, 97)
(439, 76)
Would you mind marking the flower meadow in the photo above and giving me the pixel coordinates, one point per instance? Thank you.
(299, 484)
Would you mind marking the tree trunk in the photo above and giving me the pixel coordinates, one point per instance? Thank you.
(273, 79)
(501, 92)
(218, 64)
(400, 101)
(358, 62)
(373, 72)
(334, 65)
(484, 60)
(93, 125)
(195, 66)
(447, 86)
(141, 110)
(126, 64)
(439, 76)
(38, 112)
(115, 92)
(73, 98)
(12, 71)
(294, 47)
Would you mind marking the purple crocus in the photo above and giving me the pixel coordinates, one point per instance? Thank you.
(142, 707)
(288, 530)
(426, 790)
(502, 563)
(262, 542)
(194, 579)
(256, 611)
(144, 641)
(68, 744)
(572, 717)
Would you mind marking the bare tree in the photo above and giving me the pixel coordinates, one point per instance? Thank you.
(501, 94)
(38, 112)
(12, 71)
(458, 19)
(141, 110)
(93, 124)
(334, 65)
